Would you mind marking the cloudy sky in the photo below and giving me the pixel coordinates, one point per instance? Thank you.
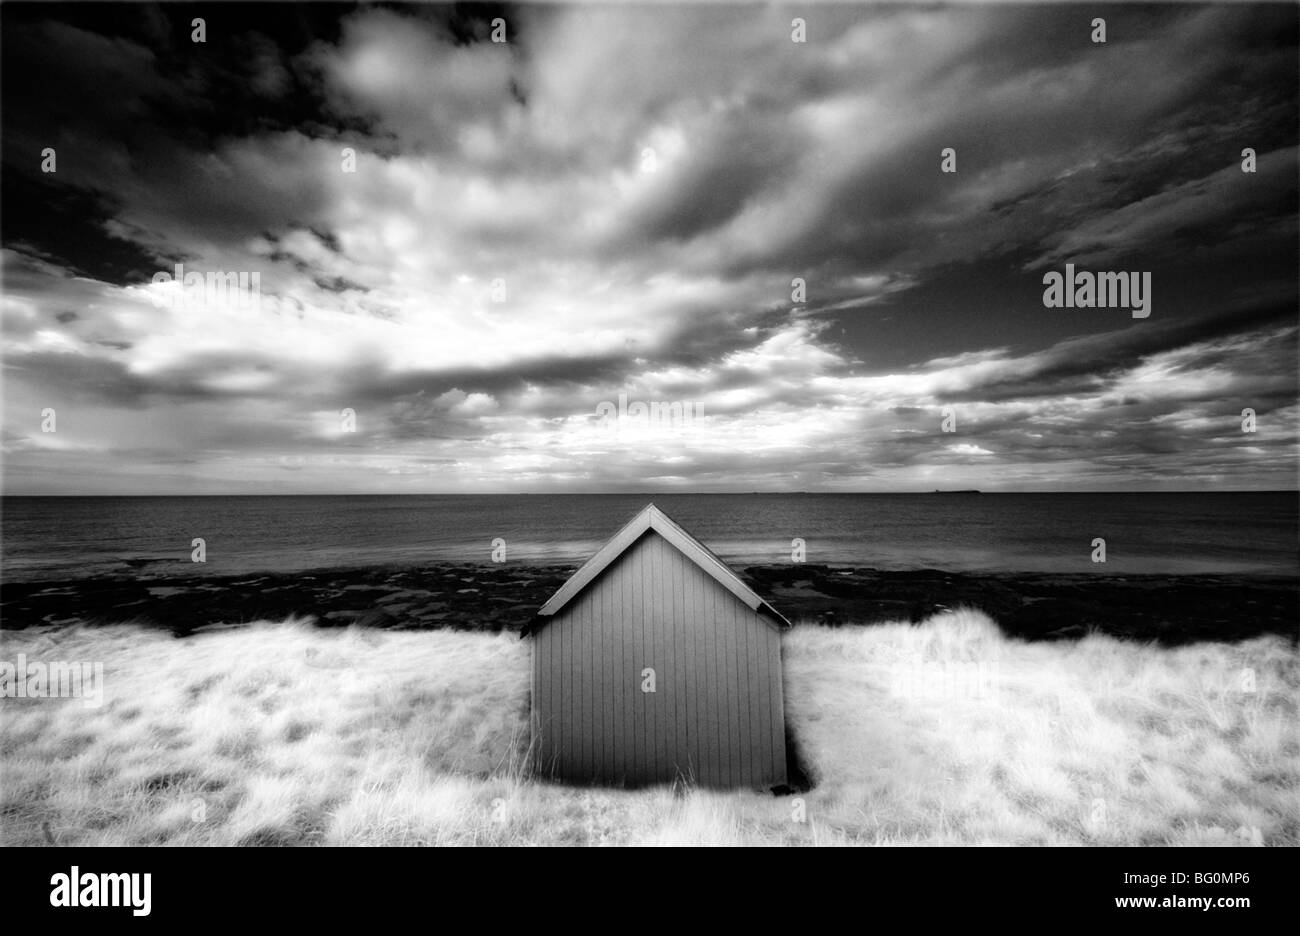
(616, 201)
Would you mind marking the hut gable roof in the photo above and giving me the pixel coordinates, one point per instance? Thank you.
(652, 518)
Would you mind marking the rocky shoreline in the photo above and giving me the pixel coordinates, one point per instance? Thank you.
(475, 596)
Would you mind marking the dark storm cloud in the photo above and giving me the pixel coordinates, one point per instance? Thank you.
(746, 155)
(643, 186)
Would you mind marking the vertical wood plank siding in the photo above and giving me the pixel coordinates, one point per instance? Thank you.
(717, 715)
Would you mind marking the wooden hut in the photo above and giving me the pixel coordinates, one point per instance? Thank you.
(655, 662)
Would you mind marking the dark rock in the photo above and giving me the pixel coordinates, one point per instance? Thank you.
(1167, 609)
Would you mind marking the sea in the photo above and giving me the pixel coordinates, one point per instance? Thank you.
(68, 538)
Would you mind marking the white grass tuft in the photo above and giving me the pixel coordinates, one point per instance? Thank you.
(943, 733)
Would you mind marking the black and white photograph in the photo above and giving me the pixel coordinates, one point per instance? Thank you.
(651, 424)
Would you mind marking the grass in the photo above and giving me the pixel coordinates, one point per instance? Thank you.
(943, 733)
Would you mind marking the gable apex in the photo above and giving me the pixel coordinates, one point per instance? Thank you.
(652, 518)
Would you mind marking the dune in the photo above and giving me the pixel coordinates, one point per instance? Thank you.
(944, 733)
